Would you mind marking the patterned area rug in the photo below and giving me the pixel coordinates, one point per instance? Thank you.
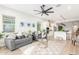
(49, 48)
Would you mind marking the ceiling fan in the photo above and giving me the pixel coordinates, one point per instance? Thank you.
(44, 11)
(47, 11)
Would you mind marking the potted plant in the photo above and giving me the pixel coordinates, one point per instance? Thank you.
(60, 28)
(1, 35)
(1, 40)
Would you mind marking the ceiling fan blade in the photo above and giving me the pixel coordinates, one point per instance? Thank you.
(41, 14)
(42, 8)
(37, 10)
(47, 14)
(50, 12)
(49, 9)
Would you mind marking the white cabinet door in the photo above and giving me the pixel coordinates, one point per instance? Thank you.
(60, 35)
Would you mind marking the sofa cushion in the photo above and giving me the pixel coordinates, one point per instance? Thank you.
(19, 41)
(11, 36)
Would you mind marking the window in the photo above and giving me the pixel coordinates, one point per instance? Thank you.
(8, 24)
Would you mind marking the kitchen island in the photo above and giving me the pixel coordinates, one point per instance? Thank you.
(60, 35)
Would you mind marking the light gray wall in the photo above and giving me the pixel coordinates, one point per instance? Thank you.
(70, 24)
(19, 17)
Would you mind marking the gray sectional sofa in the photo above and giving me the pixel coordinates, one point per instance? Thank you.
(13, 44)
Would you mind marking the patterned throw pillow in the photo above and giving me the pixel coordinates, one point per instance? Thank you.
(11, 36)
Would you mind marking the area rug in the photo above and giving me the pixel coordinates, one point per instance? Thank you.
(51, 48)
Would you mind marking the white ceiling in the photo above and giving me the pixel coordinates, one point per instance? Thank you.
(68, 11)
